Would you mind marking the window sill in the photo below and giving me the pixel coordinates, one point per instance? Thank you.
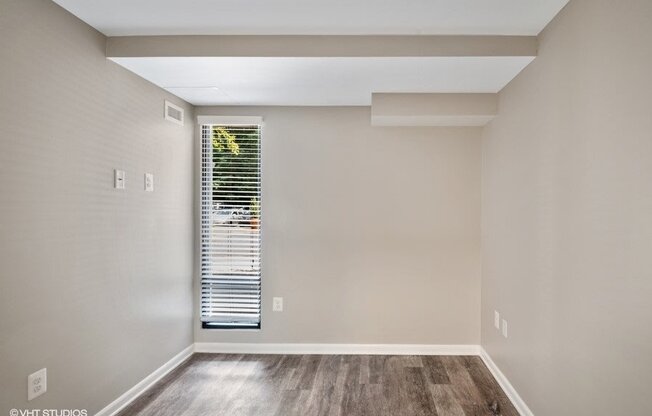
(209, 326)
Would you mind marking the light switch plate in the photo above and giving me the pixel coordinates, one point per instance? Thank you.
(37, 384)
(119, 178)
(277, 304)
(149, 182)
(505, 328)
(497, 319)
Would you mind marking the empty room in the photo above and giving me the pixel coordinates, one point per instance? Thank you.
(325, 207)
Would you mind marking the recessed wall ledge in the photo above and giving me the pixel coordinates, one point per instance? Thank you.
(433, 109)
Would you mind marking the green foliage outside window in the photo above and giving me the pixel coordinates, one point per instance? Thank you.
(236, 167)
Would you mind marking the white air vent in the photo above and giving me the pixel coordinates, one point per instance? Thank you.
(173, 113)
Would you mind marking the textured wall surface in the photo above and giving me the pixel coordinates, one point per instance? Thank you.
(567, 224)
(371, 235)
(96, 283)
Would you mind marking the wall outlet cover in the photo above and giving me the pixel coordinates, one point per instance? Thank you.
(119, 179)
(37, 384)
(149, 182)
(277, 304)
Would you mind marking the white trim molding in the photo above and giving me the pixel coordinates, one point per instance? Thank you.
(510, 391)
(352, 349)
(230, 120)
(132, 394)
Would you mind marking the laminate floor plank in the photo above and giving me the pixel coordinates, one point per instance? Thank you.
(327, 372)
(466, 393)
(364, 369)
(435, 370)
(419, 400)
(288, 403)
(324, 385)
(393, 388)
(445, 403)
(487, 385)
(376, 366)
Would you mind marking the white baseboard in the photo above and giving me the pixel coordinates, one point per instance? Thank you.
(133, 393)
(511, 392)
(352, 349)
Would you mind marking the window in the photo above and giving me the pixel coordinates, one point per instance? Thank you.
(230, 226)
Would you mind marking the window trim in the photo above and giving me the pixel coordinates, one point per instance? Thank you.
(230, 120)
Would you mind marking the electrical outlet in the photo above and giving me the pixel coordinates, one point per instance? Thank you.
(497, 319)
(277, 304)
(505, 328)
(37, 384)
(149, 182)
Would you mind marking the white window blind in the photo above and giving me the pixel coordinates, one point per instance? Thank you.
(230, 226)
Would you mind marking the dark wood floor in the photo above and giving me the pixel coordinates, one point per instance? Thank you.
(325, 385)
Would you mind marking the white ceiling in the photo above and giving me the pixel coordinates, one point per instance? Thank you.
(320, 81)
(355, 17)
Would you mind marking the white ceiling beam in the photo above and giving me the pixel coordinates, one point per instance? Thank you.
(321, 46)
(444, 110)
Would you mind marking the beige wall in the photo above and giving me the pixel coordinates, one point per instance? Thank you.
(371, 235)
(567, 216)
(95, 283)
